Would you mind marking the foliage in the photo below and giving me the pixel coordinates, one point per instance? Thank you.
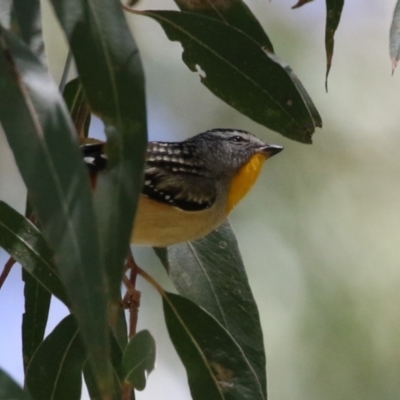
(78, 249)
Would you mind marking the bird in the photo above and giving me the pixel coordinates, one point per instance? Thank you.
(190, 187)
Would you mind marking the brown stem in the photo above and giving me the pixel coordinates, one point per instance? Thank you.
(6, 270)
(132, 302)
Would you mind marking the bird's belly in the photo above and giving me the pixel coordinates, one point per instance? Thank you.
(160, 225)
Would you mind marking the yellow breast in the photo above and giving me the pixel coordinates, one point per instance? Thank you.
(244, 180)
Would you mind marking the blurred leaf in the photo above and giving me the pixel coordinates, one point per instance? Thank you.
(5, 12)
(232, 64)
(78, 106)
(110, 70)
(43, 140)
(394, 39)
(10, 390)
(25, 243)
(210, 272)
(139, 359)
(34, 319)
(333, 13)
(215, 364)
(232, 12)
(301, 3)
(28, 17)
(55, 372)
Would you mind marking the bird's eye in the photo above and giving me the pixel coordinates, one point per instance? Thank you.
(237, 139)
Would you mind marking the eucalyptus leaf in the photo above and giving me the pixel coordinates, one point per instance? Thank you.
(232, 12)
(215, 364)
(25, 243)
(109, 67)
(210, 272)
(34, 319)
(43, 140)
(139, 359)
(78, 106)
(394, 39)
(334, 10)
(10, 390)
(55, 372)
(28, 17)
(237, 69)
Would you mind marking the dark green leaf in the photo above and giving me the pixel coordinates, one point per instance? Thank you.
(28, 18)
(301, 3)
(239, 71)
(139, 359)
(34, 319)
(43, 140)
(10, 390)
(25, 243)
(55, 372)
(210, 272)
(232, 12)
(394, 39)
(78, 107)
(333, 13)
(215, 364)
(110, 70)
(90, 379)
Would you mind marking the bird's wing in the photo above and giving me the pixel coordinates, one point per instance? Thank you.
(175, 180)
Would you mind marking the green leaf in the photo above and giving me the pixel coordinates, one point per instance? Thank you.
(78, 107)
(394, 39)
(232, 12)
(10, 390)
(90, 379)
(139, 359)
(25, 243)
(301, 3)
(34, 319)
(210, 272)
(55, 372)
(110, 70)
(28, 17)
(43, 140)
(333, 13)
(215, 364)
(236, 69)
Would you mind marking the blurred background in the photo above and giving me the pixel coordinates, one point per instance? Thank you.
(319, 233)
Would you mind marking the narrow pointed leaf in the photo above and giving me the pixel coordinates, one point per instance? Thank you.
(210, 272)
(28, 17)
(110, 70)
(139, 359)
(236, 69)
(232, 12)
(34, 319)
(215, 364)
(301, 3)
(43, 140)
(333, 13)
(10, 390)
(25, 243)
(55, 372)
(78, 106)
(394, 39)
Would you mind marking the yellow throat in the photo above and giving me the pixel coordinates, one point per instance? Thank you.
(244, 180)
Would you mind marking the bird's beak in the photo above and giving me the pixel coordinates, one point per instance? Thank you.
(270, 150)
